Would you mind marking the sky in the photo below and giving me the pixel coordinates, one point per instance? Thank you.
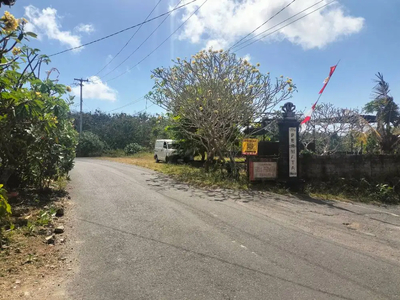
(362, 34)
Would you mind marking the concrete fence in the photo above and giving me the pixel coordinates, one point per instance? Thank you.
(349, 166)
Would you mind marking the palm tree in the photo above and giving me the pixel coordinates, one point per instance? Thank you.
(387, 114)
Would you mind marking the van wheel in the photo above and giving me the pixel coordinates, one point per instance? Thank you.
(156, 158)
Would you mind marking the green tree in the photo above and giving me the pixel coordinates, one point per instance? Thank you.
(387, 114)
(119, 130)
(37, 141)
(90, 145)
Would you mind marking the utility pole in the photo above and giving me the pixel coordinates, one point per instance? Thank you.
(81, 85)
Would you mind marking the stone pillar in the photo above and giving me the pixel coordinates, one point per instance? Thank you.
(288, 162)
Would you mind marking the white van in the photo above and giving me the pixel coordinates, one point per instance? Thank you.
(164, 150)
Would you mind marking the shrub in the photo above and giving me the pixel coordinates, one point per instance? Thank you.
(114, 153)
(5, 208)
(89, 145)
(133, 148)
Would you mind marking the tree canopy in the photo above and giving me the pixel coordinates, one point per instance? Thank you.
(213, 96)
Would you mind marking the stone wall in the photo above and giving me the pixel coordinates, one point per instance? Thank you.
(349, 166)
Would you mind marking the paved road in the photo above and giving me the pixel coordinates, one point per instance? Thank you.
(137, 236)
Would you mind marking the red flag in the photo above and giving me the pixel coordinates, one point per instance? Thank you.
(327, 79)
(310, 112)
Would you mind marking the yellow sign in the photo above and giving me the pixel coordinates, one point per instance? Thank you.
(250, 147)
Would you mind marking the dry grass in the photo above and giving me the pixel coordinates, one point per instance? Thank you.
(184, 173)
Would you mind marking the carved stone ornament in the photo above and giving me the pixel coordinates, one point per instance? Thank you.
(289, 110)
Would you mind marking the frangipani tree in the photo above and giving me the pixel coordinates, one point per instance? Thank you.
(215, 94)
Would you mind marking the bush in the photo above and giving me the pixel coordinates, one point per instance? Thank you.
(5, 208)
(113, 153)
(89, 145)
(133, 148)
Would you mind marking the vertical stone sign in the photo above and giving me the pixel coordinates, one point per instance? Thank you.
(292, 152)
(288, 145)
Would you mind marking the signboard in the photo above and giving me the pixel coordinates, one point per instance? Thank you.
(263, 170)
(292, 152)
(250, 147)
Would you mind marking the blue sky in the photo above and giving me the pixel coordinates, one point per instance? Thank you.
(363, 34)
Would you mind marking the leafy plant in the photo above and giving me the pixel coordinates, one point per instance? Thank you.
(386, 193)
(133, 148)
(90, 145)
(5, 208)
(37, 141)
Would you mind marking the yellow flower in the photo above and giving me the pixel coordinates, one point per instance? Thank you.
(15, 51)
(10, 23)
(290, 89)
(69, 90)
(201, 108)
(215, 111)
(193, 62)
(38, 94)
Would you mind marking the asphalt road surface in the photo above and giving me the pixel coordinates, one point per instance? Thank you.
(139, 235)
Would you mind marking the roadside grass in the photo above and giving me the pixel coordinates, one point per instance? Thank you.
(357, 190)
(185, 173)
(338, 189)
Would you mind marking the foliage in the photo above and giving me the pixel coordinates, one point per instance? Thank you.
(46, 216)
(113, 153)
(133, 148)
(90, 145)
(362, 190)
(213, 96)
(5, 208)
(38, 141)
(387, 115)
(119, 130)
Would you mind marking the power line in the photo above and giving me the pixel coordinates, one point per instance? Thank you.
(273, 16)
(119, 52)
(276, 25)
(139, 112)
(161, 43)
(136, 101)
(298, 19)
(123, 30)
(150, 35)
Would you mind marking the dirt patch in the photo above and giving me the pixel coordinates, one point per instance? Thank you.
(34, 259)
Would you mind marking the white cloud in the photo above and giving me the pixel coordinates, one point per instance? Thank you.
(219, 24)
(247, 57)
(47, 23)
(86, 28)
(96, 89)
